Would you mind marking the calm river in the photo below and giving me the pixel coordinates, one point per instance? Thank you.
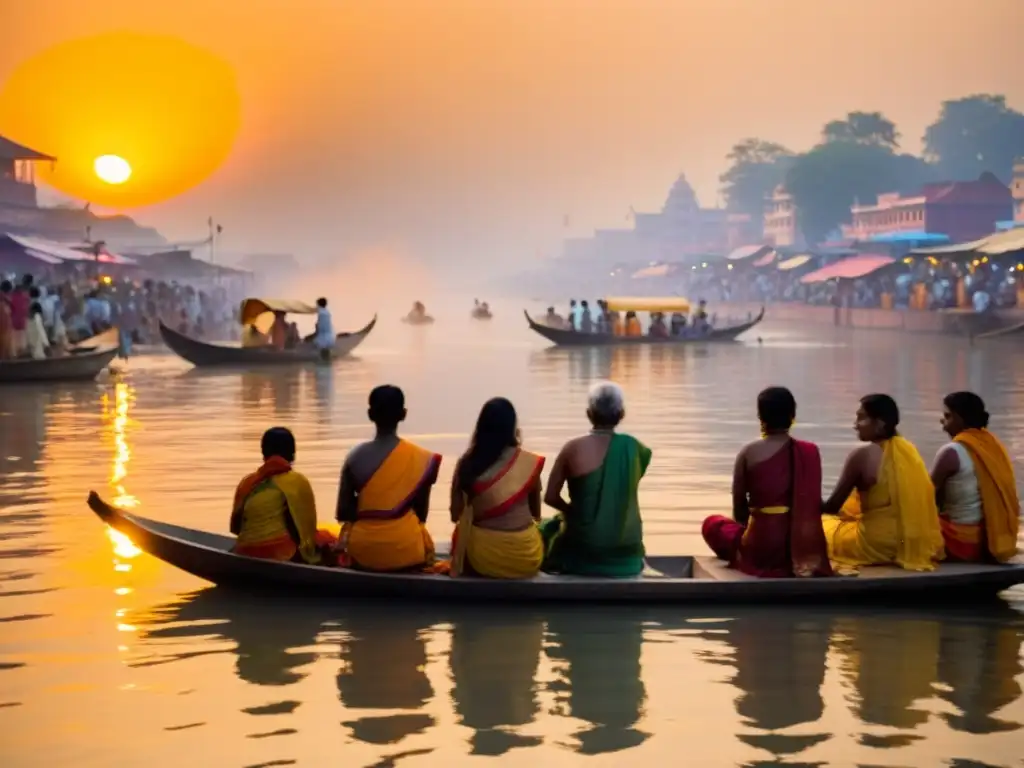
(108, 657)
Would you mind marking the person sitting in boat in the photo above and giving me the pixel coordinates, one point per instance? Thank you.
(883, 509)
(274, 513)
(495, 500)
(279, 331)
(598, 532)
(6, 325)
(586, 321)
(700, 317)
(385, 494)
(418, 313)
(775, 530)
(573, 317)
(253, 337)
(553, 320)
(323, 336)
(615, 323)
(633, 327)
(677, 325)
(979, 510)
(658, 327)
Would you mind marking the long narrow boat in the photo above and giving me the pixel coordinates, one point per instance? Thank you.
(74, 367)
(682, 579)
(569, 338)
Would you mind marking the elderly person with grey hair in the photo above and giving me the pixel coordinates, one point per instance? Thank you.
(598, 532)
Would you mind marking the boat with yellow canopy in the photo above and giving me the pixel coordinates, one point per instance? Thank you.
(664, 304)
(259, 313)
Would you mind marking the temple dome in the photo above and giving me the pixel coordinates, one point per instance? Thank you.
(681, 198)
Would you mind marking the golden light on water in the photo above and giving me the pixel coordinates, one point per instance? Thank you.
(123, 546)
(112, 169)
(122, 454)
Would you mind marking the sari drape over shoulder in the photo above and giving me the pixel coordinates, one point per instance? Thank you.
(604, 534)
(492, 552)
(894, 521)
(783, 536)
(388, 536)
(278, 515)
(1000, 506)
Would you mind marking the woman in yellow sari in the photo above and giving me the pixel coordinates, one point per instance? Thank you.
(882, 510)
(495, 503)
(274, 514)
(974, 485)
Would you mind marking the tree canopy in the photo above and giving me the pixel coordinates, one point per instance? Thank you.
(871, 128)
(826, 181)
(756, 167)
(975, 134)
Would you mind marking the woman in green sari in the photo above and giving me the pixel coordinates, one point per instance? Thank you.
(598, 532)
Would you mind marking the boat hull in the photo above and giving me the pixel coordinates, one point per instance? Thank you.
(668, 579)
(566, 338)
(83, 366)
(204, 354)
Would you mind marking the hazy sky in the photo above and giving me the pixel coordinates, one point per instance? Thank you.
(465, 130)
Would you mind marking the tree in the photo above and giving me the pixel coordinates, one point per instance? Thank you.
(975, 134)
(826, 181)
(756, 168)
(871, 128)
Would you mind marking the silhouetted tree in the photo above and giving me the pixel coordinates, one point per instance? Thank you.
(871, 128)
(756, 167)
(975, 134)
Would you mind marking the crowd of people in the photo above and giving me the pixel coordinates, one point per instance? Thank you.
(886, 508)
(42, 318)
(927, 284)
(602, 320)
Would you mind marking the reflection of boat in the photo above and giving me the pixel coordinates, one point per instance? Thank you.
(570, 338)
(73, 367)
(668, 579)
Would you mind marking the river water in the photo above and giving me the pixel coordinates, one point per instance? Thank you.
(108, 657)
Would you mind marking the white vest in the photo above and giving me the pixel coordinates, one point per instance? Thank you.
(961, 500)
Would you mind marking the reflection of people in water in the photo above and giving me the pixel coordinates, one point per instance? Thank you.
(264, 634)
(384, 658)
(890, 663)
(494, 663)
(980, 663)
(601, 679)
(779, 659)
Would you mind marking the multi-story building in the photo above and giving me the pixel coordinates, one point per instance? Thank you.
(960, 210)
(781, 228)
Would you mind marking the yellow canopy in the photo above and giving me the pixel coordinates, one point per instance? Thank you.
(793, 263)
(648, 304)
(253, 308)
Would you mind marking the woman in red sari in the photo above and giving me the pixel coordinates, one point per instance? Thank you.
(776, 528)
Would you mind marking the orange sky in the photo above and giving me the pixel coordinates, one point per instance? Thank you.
(463, 129)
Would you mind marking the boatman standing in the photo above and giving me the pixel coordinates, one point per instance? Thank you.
(324, 336)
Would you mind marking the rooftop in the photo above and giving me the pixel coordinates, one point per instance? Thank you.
(12, 150)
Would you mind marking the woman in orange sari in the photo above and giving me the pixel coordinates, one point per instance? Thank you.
(976, 492)
(496, 502)
(776, 529)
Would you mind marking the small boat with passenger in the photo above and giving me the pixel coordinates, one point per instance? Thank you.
(666, 579)
(418, 315)
(618, 323)
(267, 339)
(481, 310)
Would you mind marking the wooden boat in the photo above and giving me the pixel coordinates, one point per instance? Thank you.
(477, 314)
(81, 366)
(103, 339)
(666, 580)
(569, 338)
(255, 312)
(412, 320)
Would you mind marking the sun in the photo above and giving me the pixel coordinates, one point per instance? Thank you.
(112, 169)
